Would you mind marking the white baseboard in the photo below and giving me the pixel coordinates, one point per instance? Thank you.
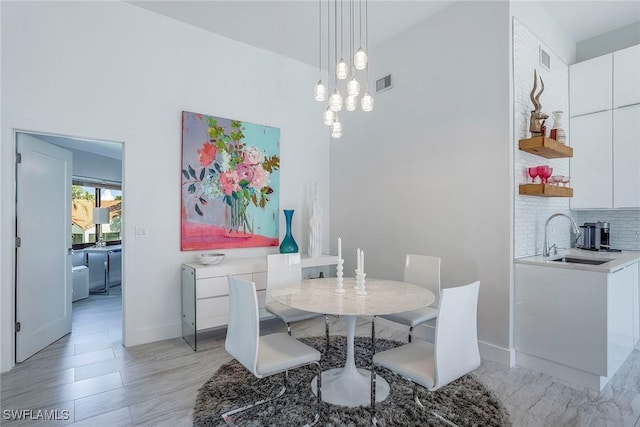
(156, 333)
(567, 373)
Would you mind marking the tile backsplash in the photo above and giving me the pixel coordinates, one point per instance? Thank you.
(624, 226)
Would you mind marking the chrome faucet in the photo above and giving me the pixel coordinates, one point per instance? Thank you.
(546, 249)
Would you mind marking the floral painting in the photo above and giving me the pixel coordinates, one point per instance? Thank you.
(230, 183)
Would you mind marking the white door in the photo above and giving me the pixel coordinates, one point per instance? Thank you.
(43, 259)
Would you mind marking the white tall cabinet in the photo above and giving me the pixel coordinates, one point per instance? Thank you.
(626, 156)
(604, 100)
(592, 175)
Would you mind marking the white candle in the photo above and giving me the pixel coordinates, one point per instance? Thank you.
(362, 261)
(358, 259)
(339, 248)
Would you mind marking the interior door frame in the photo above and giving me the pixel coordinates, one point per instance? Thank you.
(15, 131)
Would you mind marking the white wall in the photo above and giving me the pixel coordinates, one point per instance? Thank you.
(531, 212)
(546, 27)
(429, 170)
(113, 71)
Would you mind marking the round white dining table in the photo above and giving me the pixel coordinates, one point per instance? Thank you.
(350, 386)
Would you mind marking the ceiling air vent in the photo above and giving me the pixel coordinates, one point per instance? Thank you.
(545, 59)
(384, 83)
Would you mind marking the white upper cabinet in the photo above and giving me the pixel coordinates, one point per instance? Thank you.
(590, 85)
(591, 164)
(626, 77)
(626, 157)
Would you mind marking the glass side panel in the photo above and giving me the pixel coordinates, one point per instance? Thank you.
(189, 306)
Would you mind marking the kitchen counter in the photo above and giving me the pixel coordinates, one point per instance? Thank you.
(617, 260)
(578, 322)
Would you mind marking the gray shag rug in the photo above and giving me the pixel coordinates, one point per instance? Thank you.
(465, 402)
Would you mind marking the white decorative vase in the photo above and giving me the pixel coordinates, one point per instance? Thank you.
(315, 227)
(557, 132)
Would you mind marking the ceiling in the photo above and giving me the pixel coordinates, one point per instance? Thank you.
(102, 148)
(290, 27)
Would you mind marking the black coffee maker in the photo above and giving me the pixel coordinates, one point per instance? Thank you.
(602, 236)
(594, 236)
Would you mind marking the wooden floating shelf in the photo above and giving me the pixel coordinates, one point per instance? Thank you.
(545, 147)
(545, 190)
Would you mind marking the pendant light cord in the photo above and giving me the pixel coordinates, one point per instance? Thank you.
(320, 39)
(341, 30)
(366, 41)
(335, 38)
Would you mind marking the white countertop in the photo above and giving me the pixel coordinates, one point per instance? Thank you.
(255, 264)
(615, 260)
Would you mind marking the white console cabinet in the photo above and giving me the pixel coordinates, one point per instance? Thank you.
(205, 291)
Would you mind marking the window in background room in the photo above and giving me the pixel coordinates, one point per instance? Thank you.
(84, 197)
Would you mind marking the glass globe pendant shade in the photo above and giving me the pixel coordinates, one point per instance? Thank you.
(353, 87)
(320, 91)
(335, 101)
(342, 70)
(351, 103)
(367, 102)
(329, 117)
(360, 59)
(336, 127)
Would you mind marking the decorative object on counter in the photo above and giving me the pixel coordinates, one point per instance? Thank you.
(100, 216)
(230, 183)
(557, 131)
(315, 227)
(339, 270)
(288, 245)
(536, 125)
(210, 258)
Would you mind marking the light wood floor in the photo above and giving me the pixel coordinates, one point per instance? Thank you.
(101, 383)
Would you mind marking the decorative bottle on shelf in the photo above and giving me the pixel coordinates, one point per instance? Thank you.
(288, 244)
(557, 132)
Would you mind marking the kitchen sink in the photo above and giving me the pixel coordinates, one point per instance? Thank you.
(590, 261)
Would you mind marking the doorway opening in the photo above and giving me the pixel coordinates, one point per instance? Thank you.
(78, 188)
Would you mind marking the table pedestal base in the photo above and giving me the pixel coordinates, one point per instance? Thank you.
(351, 388)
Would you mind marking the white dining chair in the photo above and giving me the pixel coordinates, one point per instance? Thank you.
(424, 271)
(453, 354)
(263, 355)
(284, 270)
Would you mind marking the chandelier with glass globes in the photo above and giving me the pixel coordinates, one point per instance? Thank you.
(344, 75)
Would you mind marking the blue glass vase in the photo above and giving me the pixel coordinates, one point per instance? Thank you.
(288, 244)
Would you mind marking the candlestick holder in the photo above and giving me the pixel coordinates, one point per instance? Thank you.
(361, 283)
(339, 280)
(357, 285)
